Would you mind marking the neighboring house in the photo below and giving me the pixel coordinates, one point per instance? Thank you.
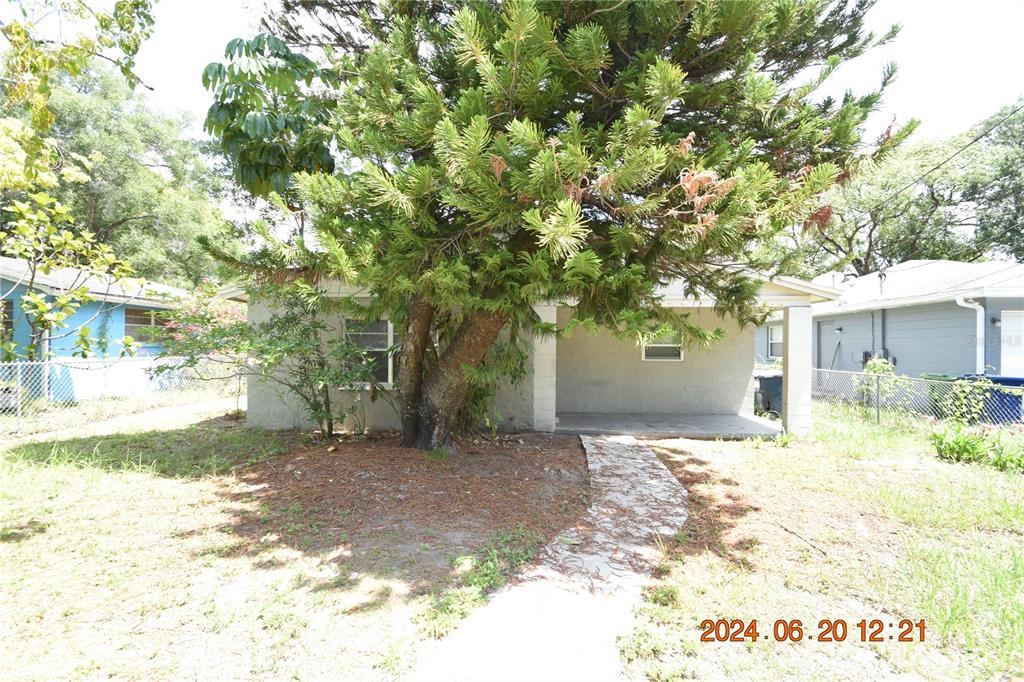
(584, 378)
(926, 316)
(119, 309)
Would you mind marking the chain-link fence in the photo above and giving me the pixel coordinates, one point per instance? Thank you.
(886, 396)
(63, 395)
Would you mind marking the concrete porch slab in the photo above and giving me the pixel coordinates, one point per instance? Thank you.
(699, 426)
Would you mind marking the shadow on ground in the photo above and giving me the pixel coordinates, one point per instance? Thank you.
(714, 509)
(362, 506)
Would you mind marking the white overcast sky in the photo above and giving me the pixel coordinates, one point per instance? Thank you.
(959, 62)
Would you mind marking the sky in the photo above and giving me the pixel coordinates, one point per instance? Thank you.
(958, 62)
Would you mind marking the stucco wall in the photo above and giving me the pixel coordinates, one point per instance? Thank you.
(600, 373)
(272, 406)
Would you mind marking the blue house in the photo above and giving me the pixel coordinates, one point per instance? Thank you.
(925, 316)
(118, 310)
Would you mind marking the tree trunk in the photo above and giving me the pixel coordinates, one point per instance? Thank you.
(445, 388)
(410, 367)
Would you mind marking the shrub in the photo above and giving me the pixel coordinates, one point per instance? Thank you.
(957, 442)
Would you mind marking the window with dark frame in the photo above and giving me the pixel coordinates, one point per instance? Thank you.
(377, 339)
(139, 324)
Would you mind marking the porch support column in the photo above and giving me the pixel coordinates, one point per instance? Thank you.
(796, 370)
(544, 354)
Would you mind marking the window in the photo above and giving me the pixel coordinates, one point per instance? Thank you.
(138, 324)
(377, 340)
(668, 347)
(775, 341)
(7, 320)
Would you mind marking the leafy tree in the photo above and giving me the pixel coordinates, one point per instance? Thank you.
(911, 205)
(294, 347)
(999, 194)
(35, 227)
(149, 194)
(494, 157)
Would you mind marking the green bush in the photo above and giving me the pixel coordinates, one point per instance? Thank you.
(957, 442)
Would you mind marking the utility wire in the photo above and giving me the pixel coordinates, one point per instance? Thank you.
(949, 158)
(936, 167)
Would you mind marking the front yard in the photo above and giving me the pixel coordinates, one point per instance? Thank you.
(215, 552)
(861, 522)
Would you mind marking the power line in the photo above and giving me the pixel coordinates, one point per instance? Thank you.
(934, 168)
(949, 158)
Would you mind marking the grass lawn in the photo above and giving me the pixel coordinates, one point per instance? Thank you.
(215, 552)
(858, 521)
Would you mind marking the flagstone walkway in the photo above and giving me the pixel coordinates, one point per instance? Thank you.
(560, 621)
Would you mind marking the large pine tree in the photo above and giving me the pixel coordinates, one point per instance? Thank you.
(466, 162)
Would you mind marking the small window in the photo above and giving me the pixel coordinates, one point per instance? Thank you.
(775, 341)
(140, 325)
(7, 320)
(376, 339)
(668, 347)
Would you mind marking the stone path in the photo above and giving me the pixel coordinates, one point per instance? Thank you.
(560, 621)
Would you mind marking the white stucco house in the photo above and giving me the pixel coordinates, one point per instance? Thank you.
(594, 382)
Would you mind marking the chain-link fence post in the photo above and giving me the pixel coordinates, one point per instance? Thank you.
(18, 397)
(878, 399)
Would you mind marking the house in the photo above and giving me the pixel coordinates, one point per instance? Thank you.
(596, 382)
(118, 309)
(926, 316)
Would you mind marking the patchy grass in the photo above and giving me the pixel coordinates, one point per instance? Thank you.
(478, 575)
(215, 552)
(211, 447)
(857, 522)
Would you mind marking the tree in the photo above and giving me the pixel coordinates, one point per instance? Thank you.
(955, 199)
(35, 227)
(999, 194)
(149, 194)
(869, 224)
(493, 157)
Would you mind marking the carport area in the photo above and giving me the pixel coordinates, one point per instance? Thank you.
(697, 426)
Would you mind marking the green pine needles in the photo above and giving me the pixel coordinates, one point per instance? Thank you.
(491, 156)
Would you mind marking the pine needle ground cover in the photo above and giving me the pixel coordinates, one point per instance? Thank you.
(222, 553)
(859, 521)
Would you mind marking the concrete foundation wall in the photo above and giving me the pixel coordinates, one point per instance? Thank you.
(602, 374)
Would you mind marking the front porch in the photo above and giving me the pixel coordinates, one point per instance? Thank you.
(697, 426)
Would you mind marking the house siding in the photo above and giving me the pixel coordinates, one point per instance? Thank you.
(939, 337)
(600, 373)
(859, 334)
(104, 320)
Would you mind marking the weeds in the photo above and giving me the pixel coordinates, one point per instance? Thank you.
(477, 576)
(957, 442)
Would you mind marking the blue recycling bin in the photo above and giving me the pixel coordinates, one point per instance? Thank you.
(1002, 406)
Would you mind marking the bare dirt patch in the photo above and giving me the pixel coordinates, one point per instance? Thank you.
(405, 512)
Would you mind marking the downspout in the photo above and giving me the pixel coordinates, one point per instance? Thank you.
(979, 333)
